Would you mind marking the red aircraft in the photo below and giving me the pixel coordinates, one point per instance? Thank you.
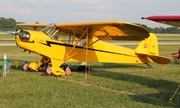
(170, 20)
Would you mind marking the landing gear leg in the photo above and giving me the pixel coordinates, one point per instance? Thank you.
(56, 70)
(149, 65)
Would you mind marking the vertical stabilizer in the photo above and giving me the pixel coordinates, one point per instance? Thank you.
(148, 48)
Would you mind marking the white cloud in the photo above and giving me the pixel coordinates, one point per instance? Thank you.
(26, 11)
(5, 6)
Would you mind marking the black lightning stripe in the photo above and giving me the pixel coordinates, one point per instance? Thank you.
(80, 47)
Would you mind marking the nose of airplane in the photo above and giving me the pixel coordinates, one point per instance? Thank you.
(23, 35)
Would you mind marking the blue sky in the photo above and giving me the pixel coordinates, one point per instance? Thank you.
(73, 11)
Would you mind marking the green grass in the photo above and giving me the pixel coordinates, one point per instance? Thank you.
(109, 85)
(7, 41)
(6, 36)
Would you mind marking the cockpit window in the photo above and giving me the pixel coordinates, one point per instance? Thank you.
(56, 36)
(49, 30)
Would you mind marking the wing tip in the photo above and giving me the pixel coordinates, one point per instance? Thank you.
(143, 18)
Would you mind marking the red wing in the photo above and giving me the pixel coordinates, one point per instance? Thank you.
(169, 20)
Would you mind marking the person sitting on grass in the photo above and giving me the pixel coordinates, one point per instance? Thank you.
(176, 56)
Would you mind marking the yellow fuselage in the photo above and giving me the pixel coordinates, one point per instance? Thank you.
(98, 52)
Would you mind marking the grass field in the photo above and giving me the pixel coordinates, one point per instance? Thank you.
(109, 85)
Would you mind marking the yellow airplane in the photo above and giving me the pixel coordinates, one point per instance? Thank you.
(83, 42)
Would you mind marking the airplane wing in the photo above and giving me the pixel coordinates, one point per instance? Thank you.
(36, 27)
(112, 30)
(169, 20)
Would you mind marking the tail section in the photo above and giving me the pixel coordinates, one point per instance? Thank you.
(149, 48)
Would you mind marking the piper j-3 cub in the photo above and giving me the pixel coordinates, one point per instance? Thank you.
(83, 42)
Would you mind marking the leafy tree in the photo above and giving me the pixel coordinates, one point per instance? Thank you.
(7, 23)
(168, 30)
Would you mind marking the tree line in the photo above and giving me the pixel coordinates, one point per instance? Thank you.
(161, 30)
(7, 23)
(10, 24)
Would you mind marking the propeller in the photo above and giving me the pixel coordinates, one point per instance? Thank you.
(23, 35)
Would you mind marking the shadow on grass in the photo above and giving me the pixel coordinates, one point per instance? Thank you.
(111, 65)
(117, 65)
(166, 88)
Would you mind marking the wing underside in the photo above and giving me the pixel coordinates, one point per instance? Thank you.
(104, 30)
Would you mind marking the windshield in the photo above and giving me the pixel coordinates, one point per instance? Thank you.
(49, 30)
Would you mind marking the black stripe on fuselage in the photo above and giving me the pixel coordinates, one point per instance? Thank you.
(80, 47)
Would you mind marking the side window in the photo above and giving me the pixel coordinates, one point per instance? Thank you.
(56, 36)
(82, 42)
(66, 37)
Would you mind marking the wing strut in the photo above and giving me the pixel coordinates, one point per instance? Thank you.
(68, 54)
(67, 57)
(87, 41)
(149, 65)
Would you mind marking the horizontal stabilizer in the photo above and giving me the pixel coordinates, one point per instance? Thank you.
(159, 59)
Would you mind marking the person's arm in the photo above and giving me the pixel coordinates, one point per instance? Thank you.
(174, 53)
